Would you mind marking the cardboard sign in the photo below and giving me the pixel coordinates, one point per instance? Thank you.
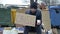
(25, 19)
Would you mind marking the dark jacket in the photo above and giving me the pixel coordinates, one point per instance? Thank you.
(37, 14)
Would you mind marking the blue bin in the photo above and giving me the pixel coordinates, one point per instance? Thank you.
(54, 15)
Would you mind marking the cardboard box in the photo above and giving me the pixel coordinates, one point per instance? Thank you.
(25, 19)
(55, 31)
(7, 28)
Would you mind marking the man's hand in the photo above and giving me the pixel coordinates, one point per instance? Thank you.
(38, 22)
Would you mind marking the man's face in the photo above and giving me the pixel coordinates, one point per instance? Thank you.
(33, 10)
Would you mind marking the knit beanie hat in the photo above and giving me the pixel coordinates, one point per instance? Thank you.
(33, 5)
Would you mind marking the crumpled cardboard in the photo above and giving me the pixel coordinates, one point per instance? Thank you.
(8, 31)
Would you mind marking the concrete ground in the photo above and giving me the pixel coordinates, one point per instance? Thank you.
(30, 33)
(58, 31)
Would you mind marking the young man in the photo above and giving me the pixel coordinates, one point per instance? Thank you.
(34, 11)
(42, 5)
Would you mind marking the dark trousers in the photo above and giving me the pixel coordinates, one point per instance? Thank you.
(37, 28)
